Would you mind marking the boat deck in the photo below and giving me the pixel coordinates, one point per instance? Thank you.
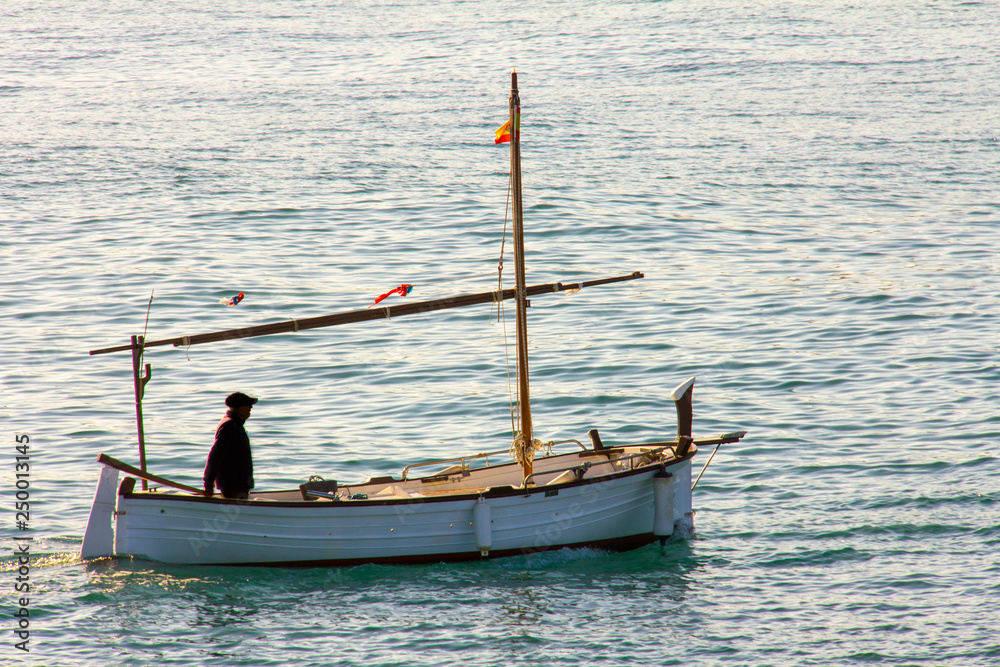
(459, 479)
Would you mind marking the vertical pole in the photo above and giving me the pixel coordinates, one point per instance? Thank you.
(139, 384)
(524, 398)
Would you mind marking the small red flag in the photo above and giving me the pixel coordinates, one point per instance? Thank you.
(402, 290)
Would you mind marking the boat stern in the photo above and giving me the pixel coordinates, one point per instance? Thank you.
(99, 538)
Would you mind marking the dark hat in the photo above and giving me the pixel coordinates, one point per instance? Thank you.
(238, 398)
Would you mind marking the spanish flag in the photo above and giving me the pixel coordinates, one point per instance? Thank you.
(503, 134)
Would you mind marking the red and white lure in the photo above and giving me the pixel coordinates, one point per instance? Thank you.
(232, 301)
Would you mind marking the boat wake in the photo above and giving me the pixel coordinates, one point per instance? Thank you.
(547, 559)
(684, 528)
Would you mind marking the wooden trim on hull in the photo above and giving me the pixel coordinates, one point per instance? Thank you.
(614, 544)
(493, 492)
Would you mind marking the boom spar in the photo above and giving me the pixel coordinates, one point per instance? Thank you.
(291, 325)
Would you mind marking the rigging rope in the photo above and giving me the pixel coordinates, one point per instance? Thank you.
(502, 317)
(145, 327)
(522, 451)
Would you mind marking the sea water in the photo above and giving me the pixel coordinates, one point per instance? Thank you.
(809, 187)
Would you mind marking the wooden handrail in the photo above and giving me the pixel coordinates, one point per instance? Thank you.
(124, 467)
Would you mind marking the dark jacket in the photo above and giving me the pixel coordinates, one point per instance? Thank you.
(230, 464)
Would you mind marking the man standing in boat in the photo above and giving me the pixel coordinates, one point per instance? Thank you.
(230, 464)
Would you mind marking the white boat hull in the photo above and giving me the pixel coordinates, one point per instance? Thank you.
(614, 511)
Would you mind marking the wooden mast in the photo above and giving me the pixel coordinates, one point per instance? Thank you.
(139, 385)
(521, 300)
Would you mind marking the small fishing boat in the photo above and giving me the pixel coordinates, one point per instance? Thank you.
(472, 506)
